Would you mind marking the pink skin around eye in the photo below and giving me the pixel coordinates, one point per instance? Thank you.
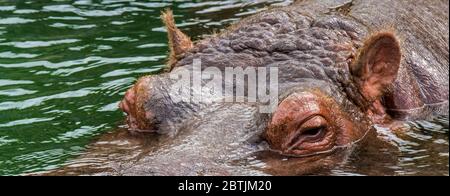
(310, 122)
(298, 106)
(295, 116)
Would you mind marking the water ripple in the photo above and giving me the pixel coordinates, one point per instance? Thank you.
(7, 8)
(25, 122)
(35, 44)
(90, 13)
(15, 20)
(6, 82)
(16, 92)
(26, 11)
(40, 100)
(62, 25)
(11, 55)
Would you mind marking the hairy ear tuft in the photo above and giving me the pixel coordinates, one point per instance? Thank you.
(179, 43)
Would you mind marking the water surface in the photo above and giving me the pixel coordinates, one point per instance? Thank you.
(65, 65)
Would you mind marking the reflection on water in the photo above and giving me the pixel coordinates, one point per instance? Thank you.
(64, 65)
(422, 149)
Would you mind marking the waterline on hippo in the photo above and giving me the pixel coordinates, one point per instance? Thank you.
(339, 74)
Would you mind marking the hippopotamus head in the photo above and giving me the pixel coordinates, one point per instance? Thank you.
(325, 78)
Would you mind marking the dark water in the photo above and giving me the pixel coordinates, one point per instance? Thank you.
(64, 66)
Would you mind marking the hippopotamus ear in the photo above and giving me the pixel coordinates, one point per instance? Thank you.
(179, 43)
(377, 64)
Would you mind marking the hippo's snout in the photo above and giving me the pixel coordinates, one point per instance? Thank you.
(133, 104)
(128, 105)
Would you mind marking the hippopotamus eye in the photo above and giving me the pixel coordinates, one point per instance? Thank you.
(312, 131)
(312, 134)
(303, 125)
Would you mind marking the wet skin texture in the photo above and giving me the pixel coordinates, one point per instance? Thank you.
(344, 66)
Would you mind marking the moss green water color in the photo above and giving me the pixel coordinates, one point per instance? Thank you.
(65, 65)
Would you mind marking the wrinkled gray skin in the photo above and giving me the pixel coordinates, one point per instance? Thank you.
(301, 40)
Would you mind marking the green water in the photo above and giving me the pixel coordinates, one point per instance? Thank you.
(64, 66)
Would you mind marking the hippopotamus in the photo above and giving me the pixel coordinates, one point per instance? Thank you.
(340, 68)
